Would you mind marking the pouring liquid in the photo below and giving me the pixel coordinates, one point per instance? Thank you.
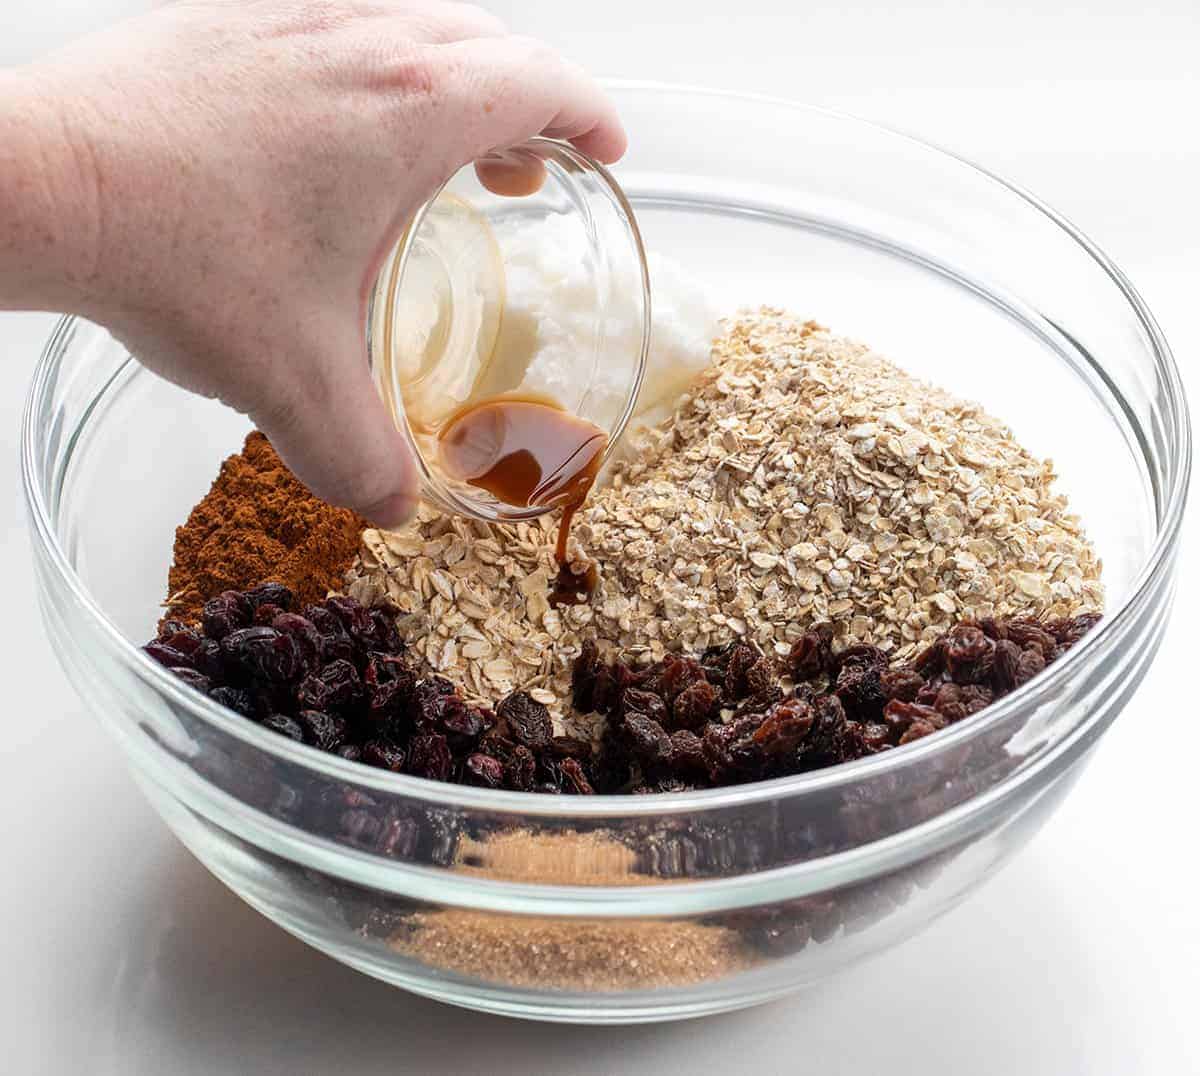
(531, 453)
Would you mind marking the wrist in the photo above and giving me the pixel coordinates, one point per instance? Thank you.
(50, 199)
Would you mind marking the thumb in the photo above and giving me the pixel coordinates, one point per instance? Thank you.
(330, 427)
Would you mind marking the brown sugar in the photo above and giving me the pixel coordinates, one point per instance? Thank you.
(259, 522)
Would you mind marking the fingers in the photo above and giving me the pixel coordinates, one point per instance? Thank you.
(337, 437)
(501, 91)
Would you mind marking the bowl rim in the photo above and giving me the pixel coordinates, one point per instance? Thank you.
(1169, 521)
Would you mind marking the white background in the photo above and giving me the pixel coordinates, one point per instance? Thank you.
(121, 955)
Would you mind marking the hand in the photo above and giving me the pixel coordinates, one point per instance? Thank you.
(237, 171)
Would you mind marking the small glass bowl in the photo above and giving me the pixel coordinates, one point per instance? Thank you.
(442, 332)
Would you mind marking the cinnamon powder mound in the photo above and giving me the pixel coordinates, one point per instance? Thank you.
(259, 523)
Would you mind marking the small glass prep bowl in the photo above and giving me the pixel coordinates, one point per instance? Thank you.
(443, 330)
(647, 908)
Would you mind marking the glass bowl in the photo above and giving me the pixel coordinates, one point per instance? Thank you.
(642, 908)
(443, 330)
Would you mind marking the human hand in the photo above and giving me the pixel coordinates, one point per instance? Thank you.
(239, 170)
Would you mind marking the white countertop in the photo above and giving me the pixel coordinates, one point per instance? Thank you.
(123, 956)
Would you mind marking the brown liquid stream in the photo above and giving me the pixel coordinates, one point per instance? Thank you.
(530, 453)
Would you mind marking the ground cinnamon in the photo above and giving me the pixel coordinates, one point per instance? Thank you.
(258, 522)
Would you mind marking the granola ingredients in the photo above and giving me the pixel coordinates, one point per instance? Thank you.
(258, 522)
(337, 677)
(804, 479)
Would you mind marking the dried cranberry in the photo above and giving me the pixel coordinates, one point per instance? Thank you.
(322, 730)
(285, 726)
(388, 682)
(351, 752)
(464, 725)
(528, 719)
(226, 613)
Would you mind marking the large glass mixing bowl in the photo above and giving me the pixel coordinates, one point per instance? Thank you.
(653, 907)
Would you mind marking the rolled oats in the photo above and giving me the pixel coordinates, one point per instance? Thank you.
(804, 477)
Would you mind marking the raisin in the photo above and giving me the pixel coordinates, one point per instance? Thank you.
(226, 613)
(354, 618)
(285, 726)
(335, 687)
(635, 701)
(520, 769)
(900, 715)
(261, 653)
(235, 698)
(193, 679)
(1006, 661)
(784, 729)
(583, 677)
(321, 730)
(385, 756)
(678, 675)
(167, 655)
(429, 757)
(903, 684)
(686, 753)
(646, 738)
(811, 654)
(1031, 662)
(860, 691)
(483, 770)
(271, 594)
(968, 654)
(573, 779)
(695, 705)
(528, 719)
(742, 658)
(304, 631)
